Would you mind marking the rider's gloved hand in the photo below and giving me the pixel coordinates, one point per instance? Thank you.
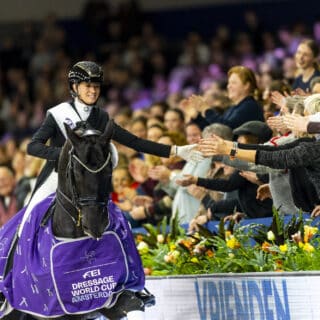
(189, 153)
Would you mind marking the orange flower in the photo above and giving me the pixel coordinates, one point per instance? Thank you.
(139, 237)
(186, 243)
(210, 253)
(266, 246)
(147, 271)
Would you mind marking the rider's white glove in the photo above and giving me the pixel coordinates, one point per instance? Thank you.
(189, 153)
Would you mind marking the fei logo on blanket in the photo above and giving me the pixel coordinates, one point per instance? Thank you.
(91, 274)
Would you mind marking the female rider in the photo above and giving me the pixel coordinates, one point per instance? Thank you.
(85, 79)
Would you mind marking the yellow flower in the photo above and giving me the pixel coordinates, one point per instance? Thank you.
(172, 246)
(309, 232)
(228, 234)
(308, 247)
(283, 248)
(194, 260)
(233, 243)
(270, 236)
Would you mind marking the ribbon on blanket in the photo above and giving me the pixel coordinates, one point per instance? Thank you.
(51, 277)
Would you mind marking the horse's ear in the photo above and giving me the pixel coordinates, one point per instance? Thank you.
(108, 131)
(71, 135)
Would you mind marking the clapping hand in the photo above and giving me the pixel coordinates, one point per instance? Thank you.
(199, 103)
(279, 99)
(160, 173)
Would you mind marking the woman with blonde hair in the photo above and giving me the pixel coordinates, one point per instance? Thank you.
(242, 91)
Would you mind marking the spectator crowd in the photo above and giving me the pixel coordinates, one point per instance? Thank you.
(251, 99)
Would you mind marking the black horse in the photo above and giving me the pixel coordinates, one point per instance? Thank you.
(81, 209)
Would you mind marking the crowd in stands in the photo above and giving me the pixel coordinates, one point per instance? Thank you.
(246, 86)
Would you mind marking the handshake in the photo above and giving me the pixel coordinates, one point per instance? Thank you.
(188, 152)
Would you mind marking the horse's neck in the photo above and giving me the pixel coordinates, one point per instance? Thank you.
(65, 219)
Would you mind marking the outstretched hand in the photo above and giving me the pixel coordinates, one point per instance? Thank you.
(315, 212)
(214, 146)
(199, 220)
(250, 176)
(263, 192)
(189, 153)
(276, 123)
(296, 122)
(236, 217)
(187, 180)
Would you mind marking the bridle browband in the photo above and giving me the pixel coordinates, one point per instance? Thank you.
(77, 201)
(87, 168)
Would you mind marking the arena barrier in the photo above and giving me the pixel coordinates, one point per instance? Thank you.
(247, 296)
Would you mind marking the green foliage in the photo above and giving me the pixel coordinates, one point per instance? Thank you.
(292, 246)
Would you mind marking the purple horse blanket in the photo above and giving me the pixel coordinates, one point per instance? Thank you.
(52, 276)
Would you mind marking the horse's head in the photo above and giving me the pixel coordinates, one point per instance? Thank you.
(85, 178)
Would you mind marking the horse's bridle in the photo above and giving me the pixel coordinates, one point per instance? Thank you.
(77, 201)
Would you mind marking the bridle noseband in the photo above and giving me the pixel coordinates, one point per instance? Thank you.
(78, 202)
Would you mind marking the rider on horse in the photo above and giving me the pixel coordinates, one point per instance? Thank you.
(85, 79)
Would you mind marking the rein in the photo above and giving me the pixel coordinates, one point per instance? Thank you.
(77, 201)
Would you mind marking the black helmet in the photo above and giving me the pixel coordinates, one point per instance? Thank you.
(85, 71)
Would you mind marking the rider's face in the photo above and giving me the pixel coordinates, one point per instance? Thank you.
(88, 92)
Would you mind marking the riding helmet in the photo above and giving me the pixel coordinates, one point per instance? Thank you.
(85, 71)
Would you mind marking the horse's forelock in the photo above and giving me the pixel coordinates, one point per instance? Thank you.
(92, 150)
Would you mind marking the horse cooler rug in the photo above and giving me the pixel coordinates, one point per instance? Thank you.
(51, 277)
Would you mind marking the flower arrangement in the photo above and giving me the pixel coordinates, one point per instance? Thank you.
(292, 246)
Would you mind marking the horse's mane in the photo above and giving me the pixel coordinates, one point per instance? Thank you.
(63, 158)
